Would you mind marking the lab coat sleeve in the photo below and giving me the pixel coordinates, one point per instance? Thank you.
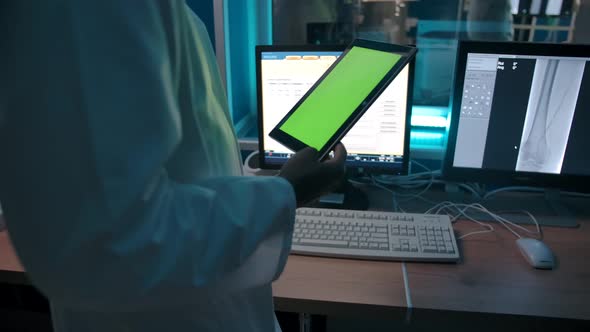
(185, 243)
(142, 239)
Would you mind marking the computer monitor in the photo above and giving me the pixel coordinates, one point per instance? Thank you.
(521, 115)
(378, 143)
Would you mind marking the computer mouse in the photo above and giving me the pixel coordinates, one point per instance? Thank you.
(537, 253)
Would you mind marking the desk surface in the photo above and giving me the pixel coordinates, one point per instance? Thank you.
(492, 277)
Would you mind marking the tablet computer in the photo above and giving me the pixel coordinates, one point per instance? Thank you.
(341, 96)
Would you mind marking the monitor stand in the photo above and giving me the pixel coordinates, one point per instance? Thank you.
(345, 197)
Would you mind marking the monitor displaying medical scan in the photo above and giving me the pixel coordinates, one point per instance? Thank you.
(521, 113)
(379, 140)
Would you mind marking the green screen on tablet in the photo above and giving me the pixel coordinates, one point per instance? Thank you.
(332, 102)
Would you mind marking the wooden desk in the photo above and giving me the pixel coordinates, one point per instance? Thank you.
(491, 278)
(11, 270)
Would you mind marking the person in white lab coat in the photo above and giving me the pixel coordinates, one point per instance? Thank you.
(121, 176)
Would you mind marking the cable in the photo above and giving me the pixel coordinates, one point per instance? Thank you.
(575, 194)
(532, 189)
(421, 165)
(461, 210)
(455, 211)
(410, 181)
(247, 168)
(514, 188)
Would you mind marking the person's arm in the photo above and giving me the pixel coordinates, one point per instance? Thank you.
(137, 239)
(187, 243)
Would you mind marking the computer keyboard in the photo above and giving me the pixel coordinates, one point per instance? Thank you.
(374, 235)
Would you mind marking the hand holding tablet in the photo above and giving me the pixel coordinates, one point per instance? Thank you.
(310, 177)
(341, 96)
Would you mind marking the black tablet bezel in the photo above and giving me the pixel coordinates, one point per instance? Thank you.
(294, 144)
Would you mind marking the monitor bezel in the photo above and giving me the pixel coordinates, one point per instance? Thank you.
(501, 177)
(370, 168)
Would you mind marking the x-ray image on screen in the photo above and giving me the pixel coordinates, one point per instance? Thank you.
(523, 114)
(552, 102)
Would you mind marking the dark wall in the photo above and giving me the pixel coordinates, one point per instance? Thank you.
(204, 9)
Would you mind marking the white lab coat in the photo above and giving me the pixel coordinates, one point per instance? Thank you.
(121, 176)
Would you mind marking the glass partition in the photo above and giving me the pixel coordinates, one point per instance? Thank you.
(435, 27)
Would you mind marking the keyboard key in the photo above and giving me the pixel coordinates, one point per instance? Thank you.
(327, 243)
(384, 246)
(429, 248)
